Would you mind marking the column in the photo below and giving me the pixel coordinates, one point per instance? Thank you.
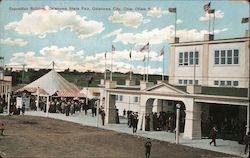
(193, 120)
(110, 108)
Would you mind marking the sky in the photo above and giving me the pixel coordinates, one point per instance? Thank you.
(76, 34)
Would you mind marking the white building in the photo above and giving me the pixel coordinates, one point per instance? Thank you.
(219, 63)
(221, 76)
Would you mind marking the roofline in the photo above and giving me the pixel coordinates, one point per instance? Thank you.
(217, 41)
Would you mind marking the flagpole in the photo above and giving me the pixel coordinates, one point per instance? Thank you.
(144, 76)
(111, 65)
(209, 19)
(130, 76)
(175, 24)
(147, 65)
(163, 66)
(105, 75)
(213, 21)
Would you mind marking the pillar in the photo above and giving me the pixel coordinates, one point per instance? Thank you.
(193, 120)
(110, 108)
(146, 106)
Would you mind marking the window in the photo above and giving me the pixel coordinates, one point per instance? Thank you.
(186, 58)
(229, 56)
(236, 56)
(223, 57)
(136, 99)
(190, 81)
(185, 81)
(197, 58)
(196, 82)
(216, 57)
(180, 81)
(116, 97)
(121, 98)
(180, 58)
(216, 83)
(235, 83)
(222, 83)
(229, 83)
(191, 58)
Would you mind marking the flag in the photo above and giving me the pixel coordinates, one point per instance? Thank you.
(211, 11)
(206, 7)
(113, 47)
(172, 10)
(244, 20)
(162, 51)
(144, 58)
(145, 48)
(130, 54)
(105, 55)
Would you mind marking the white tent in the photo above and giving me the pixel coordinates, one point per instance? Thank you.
(52, 82)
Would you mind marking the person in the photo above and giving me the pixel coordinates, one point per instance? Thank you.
(135, 123)
(213, 133)
(2, 127)
(124, 112)
(148, 146)
(246, 142)
(103, 117)
(23, 109)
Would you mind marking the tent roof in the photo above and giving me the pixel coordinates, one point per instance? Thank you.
(53, 82)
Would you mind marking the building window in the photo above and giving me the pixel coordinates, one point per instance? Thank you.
(180, 81)
(186, 58)
(197, 58)
(116, 97)
(236, 56)
(185, 81)
(229, 56)
(190, 81)
(216, 83)
(136, 99)
(216, 57)
(196, 82)
(121, 98)
(235, 83)
(191, 58)
(223, 57)
(229, 83)
(222, 83)
(180, 58)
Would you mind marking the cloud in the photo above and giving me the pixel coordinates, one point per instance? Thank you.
(113, 33)
(68, 57)
(157, 12)
(159, 36)
(129, 19)
(179, 21)
(218, 14)
(43, 22)
(14, 42)
(239, 1)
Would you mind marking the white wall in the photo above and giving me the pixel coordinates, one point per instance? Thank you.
(228, 72)
(127, 103)
(187, 71)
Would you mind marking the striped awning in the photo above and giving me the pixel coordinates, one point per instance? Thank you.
(69, 94)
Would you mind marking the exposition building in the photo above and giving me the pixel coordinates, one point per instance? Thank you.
(208, 78)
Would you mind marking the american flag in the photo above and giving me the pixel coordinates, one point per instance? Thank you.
(206, 7)
(211, 11)
(145, 48)
(162, 51)
(172, 10)
(113, 47)
(244, 20)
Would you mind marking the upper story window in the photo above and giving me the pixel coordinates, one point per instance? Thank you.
(228, 57)
(189, 58)
(121, 98)
(136, 99)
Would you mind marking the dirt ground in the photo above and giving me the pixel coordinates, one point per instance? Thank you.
(27, 136)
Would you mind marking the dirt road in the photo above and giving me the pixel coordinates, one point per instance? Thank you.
(27, 136)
